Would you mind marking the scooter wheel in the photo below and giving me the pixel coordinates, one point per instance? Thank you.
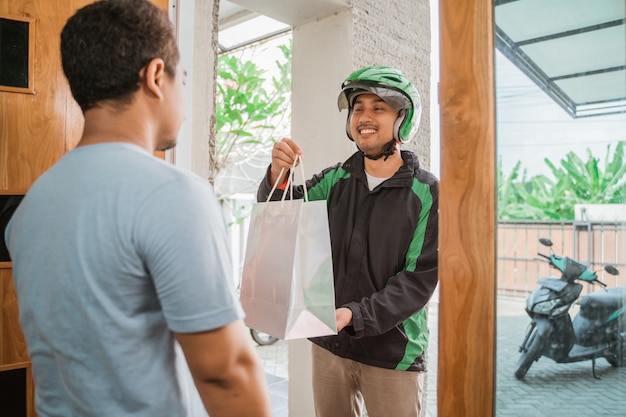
(530, 353)
(263, 339)
(616, 357)
(615, 361)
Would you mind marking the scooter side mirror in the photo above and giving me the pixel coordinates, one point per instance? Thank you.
(545, 242)
(611, 269)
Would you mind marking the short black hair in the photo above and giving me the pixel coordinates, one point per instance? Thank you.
(105, 45)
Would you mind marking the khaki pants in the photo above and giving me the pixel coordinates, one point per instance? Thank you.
(345, 388)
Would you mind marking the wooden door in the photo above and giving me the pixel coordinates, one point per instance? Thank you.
(466, 372)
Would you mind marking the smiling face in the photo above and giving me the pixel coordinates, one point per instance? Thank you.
(371, 123)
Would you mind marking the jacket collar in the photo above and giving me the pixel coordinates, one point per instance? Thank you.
(355, 165)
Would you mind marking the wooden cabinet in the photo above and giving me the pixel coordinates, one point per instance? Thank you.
(16, 382)
(37, 127)
(12, 347)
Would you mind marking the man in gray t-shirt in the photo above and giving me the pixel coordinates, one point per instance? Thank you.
(116, 254)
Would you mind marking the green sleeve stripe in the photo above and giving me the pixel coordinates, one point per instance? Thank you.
(321, 190)
(416, 326)
(416, 329)
(415, 249)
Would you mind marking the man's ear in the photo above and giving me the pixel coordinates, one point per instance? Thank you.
(153, 75)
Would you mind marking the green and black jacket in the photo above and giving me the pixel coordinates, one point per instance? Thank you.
(384, 247)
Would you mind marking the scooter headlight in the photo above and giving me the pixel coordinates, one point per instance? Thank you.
(549, 307)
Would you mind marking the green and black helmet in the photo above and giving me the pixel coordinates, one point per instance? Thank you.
(392, 86)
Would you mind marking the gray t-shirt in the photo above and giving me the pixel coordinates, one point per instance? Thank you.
(112, 250)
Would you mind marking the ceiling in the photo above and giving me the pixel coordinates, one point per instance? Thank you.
(239, 26)
(575, 50)
(243, 22)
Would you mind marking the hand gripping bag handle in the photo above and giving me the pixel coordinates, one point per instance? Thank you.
(290, 180)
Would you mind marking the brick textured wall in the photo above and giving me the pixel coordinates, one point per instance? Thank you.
(401, 39)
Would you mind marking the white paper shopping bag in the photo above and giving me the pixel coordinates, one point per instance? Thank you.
(287, 286)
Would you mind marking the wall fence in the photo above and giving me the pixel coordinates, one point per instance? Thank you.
(593, 243)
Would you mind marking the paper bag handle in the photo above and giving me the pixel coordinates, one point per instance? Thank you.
(290, 180)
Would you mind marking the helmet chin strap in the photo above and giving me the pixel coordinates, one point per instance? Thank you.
(388, 150)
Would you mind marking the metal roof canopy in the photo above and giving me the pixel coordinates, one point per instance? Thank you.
(574, 50)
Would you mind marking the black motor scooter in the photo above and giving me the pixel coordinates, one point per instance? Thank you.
(597, 331)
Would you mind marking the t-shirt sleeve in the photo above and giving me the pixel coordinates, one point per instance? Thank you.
(182, 238)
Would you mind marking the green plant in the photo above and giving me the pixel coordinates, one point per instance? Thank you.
(586, 180)
(250, 109)
(575, 182)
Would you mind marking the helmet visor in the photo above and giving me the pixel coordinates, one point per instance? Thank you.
(351, 90)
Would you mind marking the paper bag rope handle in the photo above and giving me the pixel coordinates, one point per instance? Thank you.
(290, 180)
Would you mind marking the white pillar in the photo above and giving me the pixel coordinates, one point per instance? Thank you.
(322, 57)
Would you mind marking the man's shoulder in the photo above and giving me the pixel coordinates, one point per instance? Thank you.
(412, 163)
(337, 172)
(117, 170)
(151, 168)
(352, 165)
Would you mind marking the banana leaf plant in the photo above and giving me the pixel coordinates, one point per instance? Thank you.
(576, 181)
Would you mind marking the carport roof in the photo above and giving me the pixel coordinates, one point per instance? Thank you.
(575, 50)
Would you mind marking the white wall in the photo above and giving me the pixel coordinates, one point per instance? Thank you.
(321, 60)
(196, 23)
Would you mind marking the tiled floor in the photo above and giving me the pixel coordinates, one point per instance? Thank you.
(274, 359)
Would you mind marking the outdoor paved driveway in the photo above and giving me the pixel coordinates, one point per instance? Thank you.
(549, 389)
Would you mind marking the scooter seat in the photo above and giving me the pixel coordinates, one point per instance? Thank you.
(601, 303)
